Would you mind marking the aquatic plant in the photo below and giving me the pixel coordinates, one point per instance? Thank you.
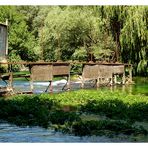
(105, 127)
(66, 109)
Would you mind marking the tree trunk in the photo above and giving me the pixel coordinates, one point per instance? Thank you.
(117, 46)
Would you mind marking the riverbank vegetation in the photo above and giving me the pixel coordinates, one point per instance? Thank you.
(69, 33)
(82, 112)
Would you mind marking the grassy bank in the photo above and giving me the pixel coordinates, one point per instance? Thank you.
(83, 112)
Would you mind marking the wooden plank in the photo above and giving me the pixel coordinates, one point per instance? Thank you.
(95, 71)
(31, 63)
(90, 71)
(118, 69)
(61, 69)
(41, 73)
(104, 71)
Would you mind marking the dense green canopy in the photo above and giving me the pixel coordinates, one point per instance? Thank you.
(106, 33)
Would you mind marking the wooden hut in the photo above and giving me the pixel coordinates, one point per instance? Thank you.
(89, 72)
(104, 73)
(41, 72)
(62, 69)
(119, 70)
(47, 71)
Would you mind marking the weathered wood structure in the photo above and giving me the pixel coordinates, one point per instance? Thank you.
(3, 52)
(41, 72)
(89, 72)
(47, 71)
(107, 74)
(3, 41)
(62, 69)
(104, 73)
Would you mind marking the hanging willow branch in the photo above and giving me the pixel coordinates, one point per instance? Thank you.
(134, 37)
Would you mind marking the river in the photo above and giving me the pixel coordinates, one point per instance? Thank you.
(40, 87)
(13, 133)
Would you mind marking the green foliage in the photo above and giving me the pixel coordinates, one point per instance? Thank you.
(70, 32)
(110, 104)
(105, 127)
(13, 57)
(64, 112)
(26, 110)
(134, 37)
(114, 109)
(76, 69)
(3, 68)
(80, 54)
(21, 40)
(61, 117)
(51, 33)
(105, 50)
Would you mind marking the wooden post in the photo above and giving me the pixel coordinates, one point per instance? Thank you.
(123, 78)
(10, 79)
(68, 83)
(82, 79)
(111, 81)
(115, 79)
(10, 76)
(51, 88)
(31, 83)
(98, 82)
(68, 80)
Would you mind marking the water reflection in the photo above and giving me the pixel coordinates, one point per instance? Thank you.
(130, 89)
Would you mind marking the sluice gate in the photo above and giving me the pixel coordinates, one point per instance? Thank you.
(106, 73)
(101, 74)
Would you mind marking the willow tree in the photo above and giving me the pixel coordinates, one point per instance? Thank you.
(128, 26)
(114, 18)
(134, 38)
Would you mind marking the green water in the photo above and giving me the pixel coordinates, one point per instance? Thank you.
(133, 89)
(140, 86)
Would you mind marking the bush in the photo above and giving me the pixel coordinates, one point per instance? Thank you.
(26, 110)
(13, 57)
(65, 109)
(76, 69)
(105, 127)
(3, 68)
(61, 117)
